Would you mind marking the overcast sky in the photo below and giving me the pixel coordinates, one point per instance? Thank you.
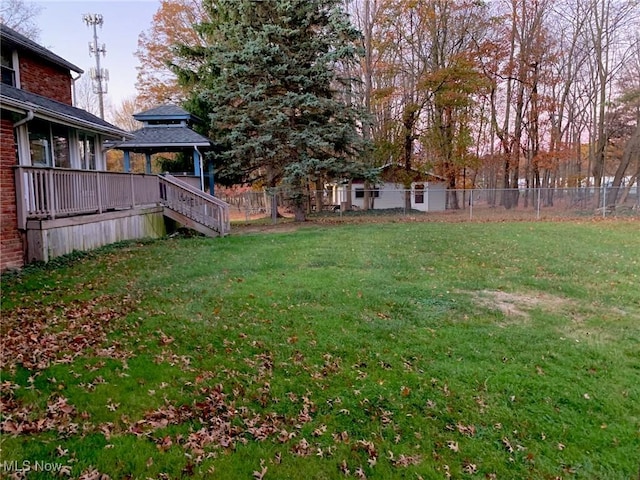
(64, 32)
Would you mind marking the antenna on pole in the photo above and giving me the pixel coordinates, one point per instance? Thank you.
(99, 76)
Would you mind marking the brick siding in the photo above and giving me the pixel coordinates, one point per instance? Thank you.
(45, 79)
(11, 240)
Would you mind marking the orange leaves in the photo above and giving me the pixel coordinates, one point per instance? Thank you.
(172, 24)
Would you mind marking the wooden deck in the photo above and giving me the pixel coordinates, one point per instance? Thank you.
(49, 193)
(63, 209)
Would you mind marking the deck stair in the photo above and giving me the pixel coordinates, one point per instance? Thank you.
(193, 208)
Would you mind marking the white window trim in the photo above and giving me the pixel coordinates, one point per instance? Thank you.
(74, 153)
(24, 154)
(16, 68)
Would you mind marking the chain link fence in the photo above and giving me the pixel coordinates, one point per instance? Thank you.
(443, 204)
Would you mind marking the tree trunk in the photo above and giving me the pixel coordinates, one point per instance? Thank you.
(631, 154)
(319, 195)
(299, 214)
(408, 121)
(349, 200)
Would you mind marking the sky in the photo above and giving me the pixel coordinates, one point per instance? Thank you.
(63, 31)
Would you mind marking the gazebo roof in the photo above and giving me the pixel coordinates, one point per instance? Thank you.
(165, 113)
(166, 129)
(164, 136)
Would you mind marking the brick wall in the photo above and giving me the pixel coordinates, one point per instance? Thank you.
(45, 79)
(11, 243)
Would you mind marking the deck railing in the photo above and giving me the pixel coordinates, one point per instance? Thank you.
(49, 193)
(194, 204)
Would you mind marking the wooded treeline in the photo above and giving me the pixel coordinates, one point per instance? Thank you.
(503, 94)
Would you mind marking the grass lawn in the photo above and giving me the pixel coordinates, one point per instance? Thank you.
(392, 350)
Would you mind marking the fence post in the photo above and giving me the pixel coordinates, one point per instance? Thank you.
(404, 202)
(538, 204)
(274, 207)
(604, 200)
(471, 205)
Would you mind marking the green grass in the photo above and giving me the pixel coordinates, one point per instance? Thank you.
(394, 350)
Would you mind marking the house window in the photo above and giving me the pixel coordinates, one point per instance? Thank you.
(8, 72)
(87, 150)
(375, 193)
(40, 143)
(49, 144)
(61, 154)
(418, 194)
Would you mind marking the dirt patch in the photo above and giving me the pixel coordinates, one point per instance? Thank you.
(519, 304)
(273, 228)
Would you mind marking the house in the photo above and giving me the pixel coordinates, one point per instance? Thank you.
(55, 193)
(428, 191)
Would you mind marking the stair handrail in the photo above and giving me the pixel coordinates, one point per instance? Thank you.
(224, 226)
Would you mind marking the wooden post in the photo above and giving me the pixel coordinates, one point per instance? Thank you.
(21, 205)
(211, 179)
(99, 192)
(196, 163)
(133, 192)
(50, 194)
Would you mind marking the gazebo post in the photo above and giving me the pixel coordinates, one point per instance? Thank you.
(211, 183)
(147, 163)
(127, 162)
(196, 162)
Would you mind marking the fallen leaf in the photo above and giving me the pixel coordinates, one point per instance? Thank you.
(470, 468)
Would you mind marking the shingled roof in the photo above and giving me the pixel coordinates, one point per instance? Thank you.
(43, 107)
(163, 112)
(14, 39)
(164, 136)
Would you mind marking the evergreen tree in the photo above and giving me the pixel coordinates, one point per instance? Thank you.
(268, 77)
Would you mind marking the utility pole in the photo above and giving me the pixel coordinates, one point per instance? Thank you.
(99, 76)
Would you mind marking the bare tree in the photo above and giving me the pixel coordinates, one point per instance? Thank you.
(122, 115)
(21, 16)
(607, 35)
(629, 105)
(84, 97)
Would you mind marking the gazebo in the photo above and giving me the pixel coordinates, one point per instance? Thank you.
(167, 129)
